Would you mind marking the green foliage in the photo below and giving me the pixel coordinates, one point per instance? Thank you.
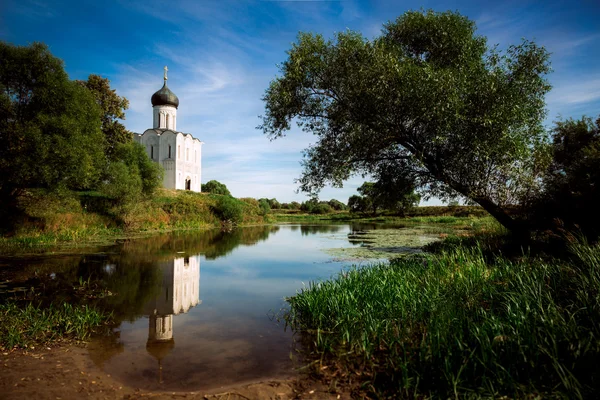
(337, 205)
(250, 200)
(274, 204)
(112, 107)
(383, 195)
(470, 328)
(572, 181)
(263, 205)
(215, 187)
(35, 325)
(229, 209)
(120, 184)
(131, 174)
(49, 126)
(321, 208)
(308, 205)
(427, 100)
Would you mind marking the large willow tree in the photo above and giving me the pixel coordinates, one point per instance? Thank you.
(429, 100)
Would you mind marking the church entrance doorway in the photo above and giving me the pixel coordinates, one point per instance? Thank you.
(188, 184)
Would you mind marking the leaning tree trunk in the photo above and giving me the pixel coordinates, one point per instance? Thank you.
(516, 227)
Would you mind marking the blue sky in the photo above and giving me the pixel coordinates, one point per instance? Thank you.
(222, 55)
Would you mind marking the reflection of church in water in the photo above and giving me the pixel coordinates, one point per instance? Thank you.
(179, 292)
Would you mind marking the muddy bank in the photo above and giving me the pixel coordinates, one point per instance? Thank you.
(67, 372)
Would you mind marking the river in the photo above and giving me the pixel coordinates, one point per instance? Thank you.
(194, 310)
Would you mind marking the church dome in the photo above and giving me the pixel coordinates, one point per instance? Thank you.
(165, 97)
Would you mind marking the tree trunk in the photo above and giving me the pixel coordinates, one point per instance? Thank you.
(517, 228)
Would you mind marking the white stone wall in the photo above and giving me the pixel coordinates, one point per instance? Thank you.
(186, 283)
(165, 117)
(180, 288)
(181, 163)
(180, 291)
(188, 162)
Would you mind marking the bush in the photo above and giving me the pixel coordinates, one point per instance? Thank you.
(572, 181)
(121, 183)
(229, 209)
(274, 204)
(263, 205)
(321, 208)
(131, 174)
(337, 205)
(215, 187)
(250, 200)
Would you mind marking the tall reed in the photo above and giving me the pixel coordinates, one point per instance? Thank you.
(456, 324)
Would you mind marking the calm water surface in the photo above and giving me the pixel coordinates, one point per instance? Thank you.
(198, 310)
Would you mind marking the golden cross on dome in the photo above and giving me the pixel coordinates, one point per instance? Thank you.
(166, 69)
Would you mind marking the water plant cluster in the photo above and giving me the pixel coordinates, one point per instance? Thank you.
(30, 325)
(459, 324)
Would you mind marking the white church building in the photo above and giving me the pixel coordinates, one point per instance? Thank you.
(180, 154)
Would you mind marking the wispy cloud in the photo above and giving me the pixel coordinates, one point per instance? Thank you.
(575, 92)
(36, 10)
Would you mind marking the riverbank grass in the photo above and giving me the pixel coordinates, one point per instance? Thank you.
(457, 325)
(70, 219)
(31, 325)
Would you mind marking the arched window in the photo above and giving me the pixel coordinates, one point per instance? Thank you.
(169, 151)
(152, 152)
(167, 121)
(160, 120)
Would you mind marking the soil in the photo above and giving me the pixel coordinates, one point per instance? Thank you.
(67, 372)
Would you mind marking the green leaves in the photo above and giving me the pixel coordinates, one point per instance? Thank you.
(112, 107)
(215, 187)
(428, 97)
(49, 126)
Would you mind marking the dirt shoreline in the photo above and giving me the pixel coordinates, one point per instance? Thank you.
(67, 372)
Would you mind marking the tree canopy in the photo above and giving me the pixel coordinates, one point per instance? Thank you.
(428, 100)
(215, 187)
(383, 195)
(49, 125)
(56, 133)
(571, 184)
(112, 107)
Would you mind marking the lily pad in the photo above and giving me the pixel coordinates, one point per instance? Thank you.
(385, 243)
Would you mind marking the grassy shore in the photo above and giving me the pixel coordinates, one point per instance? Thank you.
(415, 212)
(74, 219)
(457, 325)
(33, 325)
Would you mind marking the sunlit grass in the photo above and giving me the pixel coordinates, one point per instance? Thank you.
(455, 324)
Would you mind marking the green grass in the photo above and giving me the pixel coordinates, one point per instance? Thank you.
(33, 325)
(54, 220)
(456, 325)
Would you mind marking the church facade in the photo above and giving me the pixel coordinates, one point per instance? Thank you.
(180, 154)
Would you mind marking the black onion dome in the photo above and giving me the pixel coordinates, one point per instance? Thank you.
(164, 97)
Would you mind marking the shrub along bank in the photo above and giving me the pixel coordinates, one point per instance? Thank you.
(456, 324)
(51, 218)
